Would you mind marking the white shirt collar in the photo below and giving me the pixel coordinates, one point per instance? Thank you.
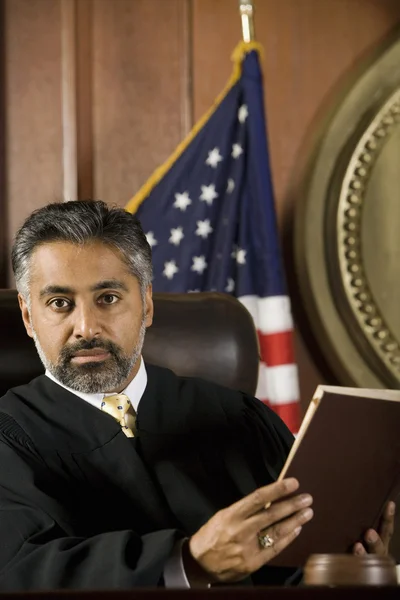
(134, 390)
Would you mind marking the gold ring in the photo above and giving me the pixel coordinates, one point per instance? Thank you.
(265, 540)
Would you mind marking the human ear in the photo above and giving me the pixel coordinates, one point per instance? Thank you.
(26, 317)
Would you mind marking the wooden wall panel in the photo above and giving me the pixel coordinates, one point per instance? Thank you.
(139, 90)
(84, 96)
(33, 106)
(310, 47)
(143, 67)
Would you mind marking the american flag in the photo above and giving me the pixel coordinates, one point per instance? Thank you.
(209, 216)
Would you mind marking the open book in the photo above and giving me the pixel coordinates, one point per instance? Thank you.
(347, 456)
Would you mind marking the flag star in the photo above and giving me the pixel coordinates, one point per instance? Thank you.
(204, 228)
(230, 285)
(237, 150)
(170, 269)
(151, 240)
(234, 251)
(241, 256)
(213, 158)
(176, 236)
(231, 186)
(243, 113)
(182, 201)
(199, 264)
(208, 193)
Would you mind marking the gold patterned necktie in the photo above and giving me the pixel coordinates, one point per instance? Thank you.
(117, 406)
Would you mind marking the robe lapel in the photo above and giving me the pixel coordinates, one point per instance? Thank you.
(95, 449)
(117, 466)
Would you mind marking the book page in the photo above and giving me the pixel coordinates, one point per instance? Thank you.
(303, 428)
(377, 394)
(312, 407)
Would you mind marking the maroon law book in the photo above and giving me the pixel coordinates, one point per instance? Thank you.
(347, 456)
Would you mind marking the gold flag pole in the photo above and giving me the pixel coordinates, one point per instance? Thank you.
(247, 15)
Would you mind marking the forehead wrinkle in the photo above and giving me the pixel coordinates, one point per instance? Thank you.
(109, 283)
(108, 280)
(56, 289)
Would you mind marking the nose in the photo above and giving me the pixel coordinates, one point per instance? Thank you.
(86, 322)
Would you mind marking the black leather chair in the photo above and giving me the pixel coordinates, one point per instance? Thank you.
(204, 335)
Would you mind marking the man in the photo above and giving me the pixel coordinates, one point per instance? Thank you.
(114, 474)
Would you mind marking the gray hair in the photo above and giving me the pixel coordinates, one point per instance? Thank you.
(80, 222)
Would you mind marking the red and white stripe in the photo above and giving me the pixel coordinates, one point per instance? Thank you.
(278, 384)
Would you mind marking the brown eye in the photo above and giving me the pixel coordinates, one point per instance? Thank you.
(110, 299)
(59, 303)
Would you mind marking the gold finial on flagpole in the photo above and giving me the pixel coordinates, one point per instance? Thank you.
(247, 13)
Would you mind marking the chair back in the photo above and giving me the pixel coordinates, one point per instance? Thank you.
(205, 335)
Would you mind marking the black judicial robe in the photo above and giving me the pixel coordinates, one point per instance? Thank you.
(84, 507)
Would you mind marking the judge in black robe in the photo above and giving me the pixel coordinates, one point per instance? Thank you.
(83, 506)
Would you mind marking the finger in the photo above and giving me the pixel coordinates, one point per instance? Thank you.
(359, 550)
(374, 543)
(267, 554)
(386, 528)
(235, 570)
(285, 527)
(277, 512)
(256, 501)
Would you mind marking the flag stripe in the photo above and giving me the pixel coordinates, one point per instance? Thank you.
(279, 384)
(210, 218)
(271, 314)
(277, 348)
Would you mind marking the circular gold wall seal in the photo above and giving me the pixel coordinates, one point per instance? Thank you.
(348, 232)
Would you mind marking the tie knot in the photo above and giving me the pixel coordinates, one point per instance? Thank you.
(116, 405)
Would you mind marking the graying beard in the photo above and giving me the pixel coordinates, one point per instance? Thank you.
(92, 383)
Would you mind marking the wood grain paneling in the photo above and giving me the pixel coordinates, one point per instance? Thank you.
(68, 100)
(33, 101)
(144, 66)
(84, 104)
(139, 94)
(310, 47)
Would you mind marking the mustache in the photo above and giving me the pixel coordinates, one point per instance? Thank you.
(68, 351)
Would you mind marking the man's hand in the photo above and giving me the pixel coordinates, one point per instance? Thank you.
(377, 542)
(227, 547)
